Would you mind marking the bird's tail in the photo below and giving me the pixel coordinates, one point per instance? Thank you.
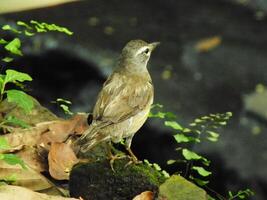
(90, 138)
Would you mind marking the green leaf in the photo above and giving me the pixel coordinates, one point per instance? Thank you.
(213, 136)
(170, 115)
(241, 194)
(201, 171)
(165, 174)
(230, 194)
(21, 23)
(60, 100)
(40, 30)
(7, 59)
(170, 162)
(198, 121)
(66, 109)
(160, 115)
(9, 28)
(2, 41)
(190, 155)
(13, 75)
(13, 47)
(28, 33)
(200, 181)
(147, 162)
(2, 78)
(187, 130)
(3, 143)
(173, 124)
(12, 159)
(16, 121)
(22, 100)
(9, 179)
(6, 27)
(157, 105)
(43, 27)
(223, 123)
(183, 138)
(156, 167)
(229, 114)
(192, 124)
(212, 139)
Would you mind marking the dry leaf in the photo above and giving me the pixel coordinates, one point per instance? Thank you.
(46, 132)
(208, 44)
(33, 158)
(9, 192)
(147, 195)
(59, 131)
(27, 178)
(61, 158)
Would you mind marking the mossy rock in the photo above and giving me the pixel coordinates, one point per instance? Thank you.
(38, 113)
(96, 181)
(178, 188)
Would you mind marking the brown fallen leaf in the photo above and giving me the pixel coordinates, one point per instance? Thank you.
(10, 192)
(208, 44)
(46, 132)
(33, 158)
(61, 158)
(147, 195)
(27, 178)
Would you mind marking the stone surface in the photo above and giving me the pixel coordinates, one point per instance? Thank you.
(178, 188)
(96, 181)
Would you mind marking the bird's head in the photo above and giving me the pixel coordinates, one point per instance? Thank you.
(136, 54)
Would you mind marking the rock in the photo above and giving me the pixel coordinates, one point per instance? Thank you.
(37, 115)
(178, 188)
(10, 192)
(97, 181)
(256, 103)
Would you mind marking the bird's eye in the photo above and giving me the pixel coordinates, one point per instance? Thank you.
(146, 51)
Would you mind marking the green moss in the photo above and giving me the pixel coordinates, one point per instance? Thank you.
(178, 188)
(149, 172)
(97, 181)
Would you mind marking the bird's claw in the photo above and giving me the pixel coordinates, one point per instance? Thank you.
(112, 158)
(133, 160)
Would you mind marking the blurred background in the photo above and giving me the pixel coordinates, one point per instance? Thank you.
(212, 58)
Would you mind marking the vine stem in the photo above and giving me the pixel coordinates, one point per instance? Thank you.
(2, 91)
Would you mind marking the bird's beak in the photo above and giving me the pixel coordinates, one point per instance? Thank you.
(153, 45)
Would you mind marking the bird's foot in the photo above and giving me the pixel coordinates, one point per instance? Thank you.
(133, 158)
(112, 158)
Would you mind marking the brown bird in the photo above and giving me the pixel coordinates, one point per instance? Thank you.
(124, 102)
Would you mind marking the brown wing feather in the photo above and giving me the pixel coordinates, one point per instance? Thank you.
(119, 99)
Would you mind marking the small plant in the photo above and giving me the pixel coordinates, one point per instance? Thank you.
(64, 105)
(9, 158)
(241, 194)
(12, 48)
(158, 168)
(203, 128)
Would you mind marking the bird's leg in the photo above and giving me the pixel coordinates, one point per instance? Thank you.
(112, 157)
(133, 158)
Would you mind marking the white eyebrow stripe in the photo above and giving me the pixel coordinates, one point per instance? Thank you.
(141, 50)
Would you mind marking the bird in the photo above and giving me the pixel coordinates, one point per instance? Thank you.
(124, 102)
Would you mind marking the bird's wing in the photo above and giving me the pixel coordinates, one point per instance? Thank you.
(119, 100)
